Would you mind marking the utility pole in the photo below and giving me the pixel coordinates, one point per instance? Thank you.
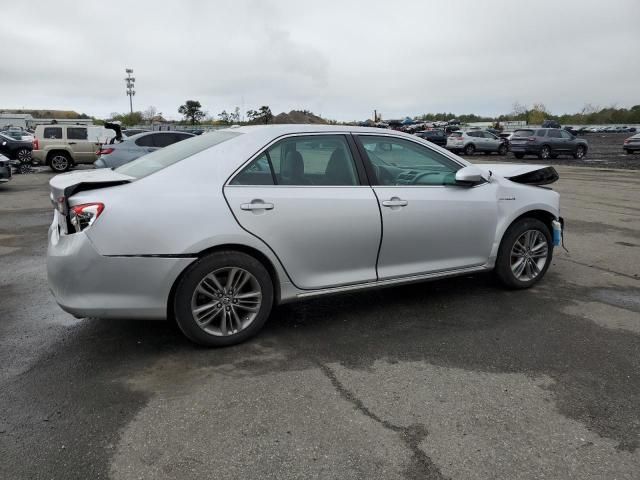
(130, 87)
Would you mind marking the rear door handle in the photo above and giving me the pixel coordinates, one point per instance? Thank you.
(395, 202)
(72, 143)
(256, 205)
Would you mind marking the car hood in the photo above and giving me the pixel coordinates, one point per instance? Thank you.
(64, 185)
(522, 173)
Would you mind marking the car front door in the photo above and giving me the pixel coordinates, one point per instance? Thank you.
(568, 141)
(493, 142)
(84, 149)
(305, 196)
(430, 224)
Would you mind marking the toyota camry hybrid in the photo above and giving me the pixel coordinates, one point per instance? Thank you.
(216, 230)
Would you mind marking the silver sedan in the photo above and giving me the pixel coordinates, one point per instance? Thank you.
(216, 230)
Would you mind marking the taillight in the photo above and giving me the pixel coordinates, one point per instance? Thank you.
(626, 140)
(104, 151)
(36, 144)
(83, 216)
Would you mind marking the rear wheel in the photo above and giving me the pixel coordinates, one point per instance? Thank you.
(579, 153)
(24, 155)
(545, 152)
(519, 155)
(470, 149)
(59, 162)
(627, 151)
(223, 299)
(524, 254)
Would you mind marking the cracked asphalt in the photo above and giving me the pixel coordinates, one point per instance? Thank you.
(457, 379)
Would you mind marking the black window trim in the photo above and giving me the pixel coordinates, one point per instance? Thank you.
(360, 169)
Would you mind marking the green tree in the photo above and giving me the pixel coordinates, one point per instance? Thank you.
(192, 111)
(262, 115)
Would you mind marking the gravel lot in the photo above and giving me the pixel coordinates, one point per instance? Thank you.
(454, 379)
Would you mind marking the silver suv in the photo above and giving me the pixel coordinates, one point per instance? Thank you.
(62, 146)
(474, 141)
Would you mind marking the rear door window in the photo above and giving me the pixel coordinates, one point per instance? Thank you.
(53, 133)
(554, 134)
(76, 133)
(541, 133)
(523, 133)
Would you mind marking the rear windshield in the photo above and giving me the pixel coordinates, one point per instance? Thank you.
(155, 161)
(523, 133)
(455, 134)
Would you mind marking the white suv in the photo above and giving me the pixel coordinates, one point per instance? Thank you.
(62, 146)
(474, 141)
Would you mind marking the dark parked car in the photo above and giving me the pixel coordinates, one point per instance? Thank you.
(632, 144)
(547, 143)
(434, 136)
(112, 156)
(5, 169)
(15, 149)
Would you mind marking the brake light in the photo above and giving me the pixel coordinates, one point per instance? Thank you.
(104, 151)
(83, 216)
(626, 140)
(36, 144)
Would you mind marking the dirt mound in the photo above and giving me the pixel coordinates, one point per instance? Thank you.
(298, 116)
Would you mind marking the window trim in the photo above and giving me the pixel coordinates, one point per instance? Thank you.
(361, 176)
(373, 179)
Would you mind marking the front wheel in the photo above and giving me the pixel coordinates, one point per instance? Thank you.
(579, 153)
(545, 152)
(24, 155)
(59, 162)
(469, 149)
(524, 254)
(502, 150)
(223, 299)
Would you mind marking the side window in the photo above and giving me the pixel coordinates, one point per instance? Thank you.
(53, 132)
(182, 136)
(401, 162)
(489, 135)
(303, 160)
(76, 133)
(565, 134)
(541, 133)
(257, 172)
(554, 134)
(145, 141)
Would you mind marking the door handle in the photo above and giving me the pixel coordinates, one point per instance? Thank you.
(256, 205)
(395, 202)
(72, 143)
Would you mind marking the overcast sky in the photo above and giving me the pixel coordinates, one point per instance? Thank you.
(340, 59)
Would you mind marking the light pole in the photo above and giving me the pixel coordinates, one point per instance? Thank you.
(130, 85)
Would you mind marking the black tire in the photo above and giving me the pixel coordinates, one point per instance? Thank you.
(503, 261)
(519, 155)
(59, 162)
(628, 152)
(487, 153)
(553, 155)
(502, 150)
(470, 149)
(544, 152)
(580, 152)
(192, 277)
(24, 155)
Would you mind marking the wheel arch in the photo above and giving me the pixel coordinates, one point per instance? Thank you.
(236, 247)
(53, 151)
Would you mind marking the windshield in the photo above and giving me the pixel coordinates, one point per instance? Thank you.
(167, 156)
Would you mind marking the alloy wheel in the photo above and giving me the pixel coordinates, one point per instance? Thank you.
(24, 155)
(545, 152)
(226, 301)
(60, 163)
(579, 152)
(529, 255)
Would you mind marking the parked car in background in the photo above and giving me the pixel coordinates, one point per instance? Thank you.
(632, 144)
(547, 143)
(5, 169)
(550, 124)
(15, 149)
(211, 232)
(18, 135)
(473, 141)
(436, 136)
(63, 146)
(571, 130)
(114, 155)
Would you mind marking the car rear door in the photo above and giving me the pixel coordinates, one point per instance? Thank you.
(83, 148)
(306, 197)
(430, 224)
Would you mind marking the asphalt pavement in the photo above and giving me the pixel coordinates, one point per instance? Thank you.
(455, 379)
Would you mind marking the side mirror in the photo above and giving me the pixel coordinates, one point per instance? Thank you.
(470, 176)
